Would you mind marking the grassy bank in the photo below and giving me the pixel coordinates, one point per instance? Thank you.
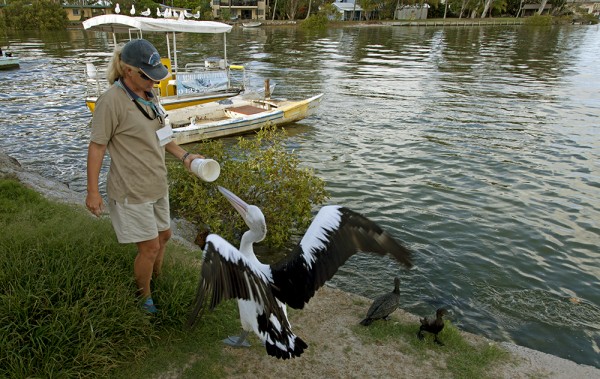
(67, 295)
(68, 309)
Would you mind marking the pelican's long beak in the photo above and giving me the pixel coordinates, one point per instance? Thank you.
(240, 205)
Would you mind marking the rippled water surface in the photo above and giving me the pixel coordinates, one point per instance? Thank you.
(478, 147)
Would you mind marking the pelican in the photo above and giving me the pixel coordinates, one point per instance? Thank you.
(146, 13)
(262, 290)
(117, 9)
(132, 11)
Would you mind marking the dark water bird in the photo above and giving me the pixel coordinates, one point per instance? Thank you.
(384, 305)
(335, 234)
(433, 326)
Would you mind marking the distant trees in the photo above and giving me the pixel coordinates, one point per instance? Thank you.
(489, 8)
(34, 14)
(49, 15)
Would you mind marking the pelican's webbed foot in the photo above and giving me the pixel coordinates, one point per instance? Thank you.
(237, 341)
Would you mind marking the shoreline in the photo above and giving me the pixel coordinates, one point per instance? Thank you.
(493, 21)
(527, 362)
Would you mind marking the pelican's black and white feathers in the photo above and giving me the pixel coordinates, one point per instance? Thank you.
(231, 276)
(227, 274)
(335, 234)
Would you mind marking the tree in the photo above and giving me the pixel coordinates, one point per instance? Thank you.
(368, 6)
(488, 3)
(542, 6)
(291, 7)
(41, 15)
(308, 12)
(274, 10)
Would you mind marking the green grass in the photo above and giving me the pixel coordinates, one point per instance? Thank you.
(68, 306)
(457, 358)
(67, 297)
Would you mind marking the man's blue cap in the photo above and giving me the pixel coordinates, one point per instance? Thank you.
(143, 55)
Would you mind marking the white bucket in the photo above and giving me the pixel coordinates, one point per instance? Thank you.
(206, 169)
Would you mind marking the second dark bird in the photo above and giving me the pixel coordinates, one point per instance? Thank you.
(433, 326)
(384, 305)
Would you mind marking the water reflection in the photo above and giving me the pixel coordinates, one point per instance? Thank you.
(476, 146)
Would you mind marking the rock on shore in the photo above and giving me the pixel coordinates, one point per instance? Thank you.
(51, 189)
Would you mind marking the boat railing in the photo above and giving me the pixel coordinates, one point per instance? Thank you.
(96, 82)
(195, 78)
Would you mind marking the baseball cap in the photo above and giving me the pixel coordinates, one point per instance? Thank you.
(143, 55)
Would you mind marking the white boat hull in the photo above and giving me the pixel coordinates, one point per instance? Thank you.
(7, 63)
(237, 115)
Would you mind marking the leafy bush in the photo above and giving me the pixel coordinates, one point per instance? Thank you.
(67, 295)
(538, 20)
(315, 22)
(40, 15)
(261, 172)
(589, 19)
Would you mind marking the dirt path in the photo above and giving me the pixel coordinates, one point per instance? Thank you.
(336, 352)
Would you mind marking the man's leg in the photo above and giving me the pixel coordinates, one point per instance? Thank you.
(163, 238)
(144, 263)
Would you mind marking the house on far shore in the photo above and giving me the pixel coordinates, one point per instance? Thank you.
(592, 6)
(87, 9)
(347, 10)
(532, 9)
(240, 9)
(411, 12)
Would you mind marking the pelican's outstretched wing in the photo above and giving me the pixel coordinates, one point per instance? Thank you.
(335, 235)
(227, 274)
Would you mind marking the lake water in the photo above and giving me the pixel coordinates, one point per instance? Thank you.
(479, 147)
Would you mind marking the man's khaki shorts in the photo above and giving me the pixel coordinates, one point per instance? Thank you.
(139, 222)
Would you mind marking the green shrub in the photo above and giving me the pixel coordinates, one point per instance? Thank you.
(261, 172)
(67, 295)
(40, 15)
(538, 20)
(315, 22)
(589, 19)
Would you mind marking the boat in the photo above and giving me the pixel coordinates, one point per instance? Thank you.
(196, 83)
(8, 61)
(251, 24)
(237, 115)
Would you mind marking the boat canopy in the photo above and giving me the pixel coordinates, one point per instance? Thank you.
(118, 23)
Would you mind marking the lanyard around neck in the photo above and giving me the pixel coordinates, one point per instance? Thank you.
(136, 100)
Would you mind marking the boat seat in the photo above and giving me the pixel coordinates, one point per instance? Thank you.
(90, 70)
(244, 110)
(93, 79)
(167, 85)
